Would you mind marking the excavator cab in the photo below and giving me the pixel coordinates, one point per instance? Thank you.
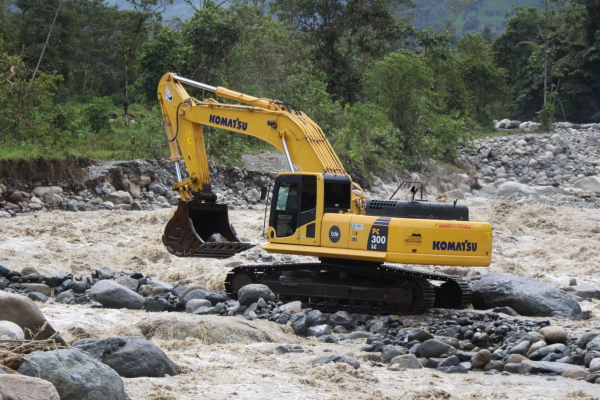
(202, 229)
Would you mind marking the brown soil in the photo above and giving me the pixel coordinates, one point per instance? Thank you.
(45, 172)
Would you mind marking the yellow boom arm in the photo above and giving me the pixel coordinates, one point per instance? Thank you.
(290, 131)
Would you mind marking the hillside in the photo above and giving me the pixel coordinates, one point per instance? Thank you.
(435, 14)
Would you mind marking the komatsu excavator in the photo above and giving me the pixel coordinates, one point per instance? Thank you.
(317, 211)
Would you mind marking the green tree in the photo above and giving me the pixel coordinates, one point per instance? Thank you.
(401, 85)
(347, 36)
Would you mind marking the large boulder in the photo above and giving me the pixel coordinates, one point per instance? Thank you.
(131, 357)
(111, 294)
(528, 297)
(23, 312)
(75, 375)
(251, 293)
(18, 387)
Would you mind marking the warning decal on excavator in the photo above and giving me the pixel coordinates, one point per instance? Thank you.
(378, 238)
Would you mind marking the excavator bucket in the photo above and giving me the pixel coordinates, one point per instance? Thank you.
(202, 230)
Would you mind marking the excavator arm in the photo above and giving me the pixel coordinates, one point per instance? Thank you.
(287, 129)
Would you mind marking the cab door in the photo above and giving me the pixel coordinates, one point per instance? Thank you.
(285, 210)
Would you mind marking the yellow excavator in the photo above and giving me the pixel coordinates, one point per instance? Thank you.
(316, 211)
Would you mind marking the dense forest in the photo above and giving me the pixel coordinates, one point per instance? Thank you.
(79, 77)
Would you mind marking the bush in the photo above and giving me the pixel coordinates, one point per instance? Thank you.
(97, 114)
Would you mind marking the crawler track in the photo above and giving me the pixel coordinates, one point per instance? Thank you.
(356, 287)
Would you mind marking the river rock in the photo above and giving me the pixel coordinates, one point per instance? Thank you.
(419, 335)
(119, 197)
(251, 293)
(57, 279)
(594, 344)
(128, 282)
(527, 296)
(409, 361)
(10, 331)
(584, 291)
(342, 318)
(318, 330)
(40, 191)
(18, 387)
(481, 358)
(75, 375)
(131, 357)
(112, 295)
(433, 348)
(390, 351)
(554, 334)
(23, 312)
(38, 288)
(213, 297)
(194, 304)
(587, 337)
(544, 367)
(299, 323)
(291, 308)
(337, 359)
(589, 184)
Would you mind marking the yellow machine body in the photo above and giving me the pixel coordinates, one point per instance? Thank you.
(331, 230)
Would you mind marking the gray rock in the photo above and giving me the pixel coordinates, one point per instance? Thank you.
(128, 282)
(419, 335)
(112, 295)
(389, 352)
(105, 273)
(584, 291)
(587, 337)
(57, 279)
(213, 297)
(433, 348)
(19, 387)
(589, 184)
(40, 191)
(251, 293)
(544, 367)
(513, 368)
(4, 270)
(315, 318)
(291, 308)
(37, 297)
(521, 348)
(131, 357)
(10, 331)
(594, 344)
(409, 361)
(75, 375)
(318, 330)
(495, 365)
(156, 304)
(342, 318)
(358, 335)
(195, 304)
(448, 362)
(78, 286)
(527, 296)
(299, 323)
(456, 370)
(595, 365)
(213, 310)
(337, 359)
(66, 295)
(38, 288)
(119, 197)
